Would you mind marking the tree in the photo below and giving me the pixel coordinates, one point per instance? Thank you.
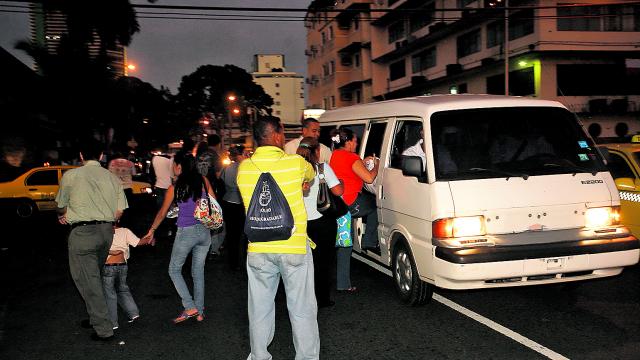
(78, 85)
(206, 90)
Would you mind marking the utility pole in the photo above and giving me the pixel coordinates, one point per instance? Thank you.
(506, 47)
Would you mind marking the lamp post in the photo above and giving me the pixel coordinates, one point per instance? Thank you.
(231, 98)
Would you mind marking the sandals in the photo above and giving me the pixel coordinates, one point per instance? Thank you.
(186, 315)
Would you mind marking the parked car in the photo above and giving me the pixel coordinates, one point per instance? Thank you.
(624, 165)
(36, 190)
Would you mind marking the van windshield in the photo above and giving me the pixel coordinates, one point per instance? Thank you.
(510, 142)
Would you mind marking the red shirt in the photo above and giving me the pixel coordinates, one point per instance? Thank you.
(342, 164)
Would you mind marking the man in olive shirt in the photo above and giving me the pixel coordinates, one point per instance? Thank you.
(91, 199)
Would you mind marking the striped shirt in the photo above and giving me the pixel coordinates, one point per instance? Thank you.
(290, 172)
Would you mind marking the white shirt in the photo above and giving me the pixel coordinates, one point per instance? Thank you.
(122, 238)
(311, 198)
(417, 150)
(292, 147)
(163, 169)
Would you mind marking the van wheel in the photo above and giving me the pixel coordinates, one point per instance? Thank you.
(26, 209)
(410, 288)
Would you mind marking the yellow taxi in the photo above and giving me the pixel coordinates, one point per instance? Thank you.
(624, 165)
(36, 190)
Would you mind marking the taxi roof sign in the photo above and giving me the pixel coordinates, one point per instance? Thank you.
(635, 139)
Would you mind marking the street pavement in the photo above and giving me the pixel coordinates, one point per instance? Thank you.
(40, 312)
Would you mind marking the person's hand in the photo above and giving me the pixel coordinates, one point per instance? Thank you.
(149, 236)
(62, 219)
(306, 186)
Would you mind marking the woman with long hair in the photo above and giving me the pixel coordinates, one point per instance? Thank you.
(351, 170)
(191, 238)
(321, 229)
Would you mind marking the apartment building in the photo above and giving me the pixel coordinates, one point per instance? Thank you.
(585, 56)
(286, 88)
(48, 27)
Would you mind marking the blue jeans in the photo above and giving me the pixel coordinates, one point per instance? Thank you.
(343, 268)
(116, 291)
(365, 207)
(264, 272)
(189, 239)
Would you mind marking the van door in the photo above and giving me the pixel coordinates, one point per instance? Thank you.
(404, 202)
(373, 144)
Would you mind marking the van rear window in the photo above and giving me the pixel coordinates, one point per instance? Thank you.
(509, 142)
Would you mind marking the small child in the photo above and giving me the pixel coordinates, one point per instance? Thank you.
(114, 275)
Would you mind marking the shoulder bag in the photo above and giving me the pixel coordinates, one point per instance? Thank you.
(329, 204)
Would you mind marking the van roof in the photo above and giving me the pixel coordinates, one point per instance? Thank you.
(420, 105)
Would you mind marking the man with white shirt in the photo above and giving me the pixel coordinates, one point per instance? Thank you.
(310, 128)
(417, 150)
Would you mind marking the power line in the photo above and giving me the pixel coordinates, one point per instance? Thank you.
(333, 10)
(283, 18)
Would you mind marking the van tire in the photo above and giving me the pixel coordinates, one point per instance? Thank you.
(410, 288)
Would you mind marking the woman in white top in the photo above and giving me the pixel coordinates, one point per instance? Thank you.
(321, 229)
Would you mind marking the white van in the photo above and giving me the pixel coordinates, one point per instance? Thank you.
(511, 192)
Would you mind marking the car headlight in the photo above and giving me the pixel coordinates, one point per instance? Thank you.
(602, 216)
(459, 227)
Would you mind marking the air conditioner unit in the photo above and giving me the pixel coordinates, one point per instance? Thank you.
(453, 69)
(437, 27)
(346, 96)
(487, 61)
(598, 106)
(418, 80)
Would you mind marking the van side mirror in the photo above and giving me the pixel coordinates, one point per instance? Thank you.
(626, 184)
(412, 166)
(605, 153)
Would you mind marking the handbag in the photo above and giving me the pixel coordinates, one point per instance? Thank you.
(343, 234)
(208, 212)
(329, 204)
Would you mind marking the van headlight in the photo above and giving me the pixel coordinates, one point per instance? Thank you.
(602, 216)
(459, 227)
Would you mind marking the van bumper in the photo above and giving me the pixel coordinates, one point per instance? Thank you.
(523, 265)
(534, 251)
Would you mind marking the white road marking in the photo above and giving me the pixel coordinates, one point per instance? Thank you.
(477, 317)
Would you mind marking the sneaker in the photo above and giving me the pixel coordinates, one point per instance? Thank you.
(133, 319)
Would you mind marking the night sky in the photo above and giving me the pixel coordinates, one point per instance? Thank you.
(165, 50)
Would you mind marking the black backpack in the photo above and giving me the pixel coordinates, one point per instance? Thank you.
(269, 216)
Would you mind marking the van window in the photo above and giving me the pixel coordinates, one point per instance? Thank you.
(325, 135)
(374, 141)
(508, 142)
(358, 130)
(619, 167)
(407, 135)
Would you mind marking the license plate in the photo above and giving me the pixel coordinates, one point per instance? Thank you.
(555, 263)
